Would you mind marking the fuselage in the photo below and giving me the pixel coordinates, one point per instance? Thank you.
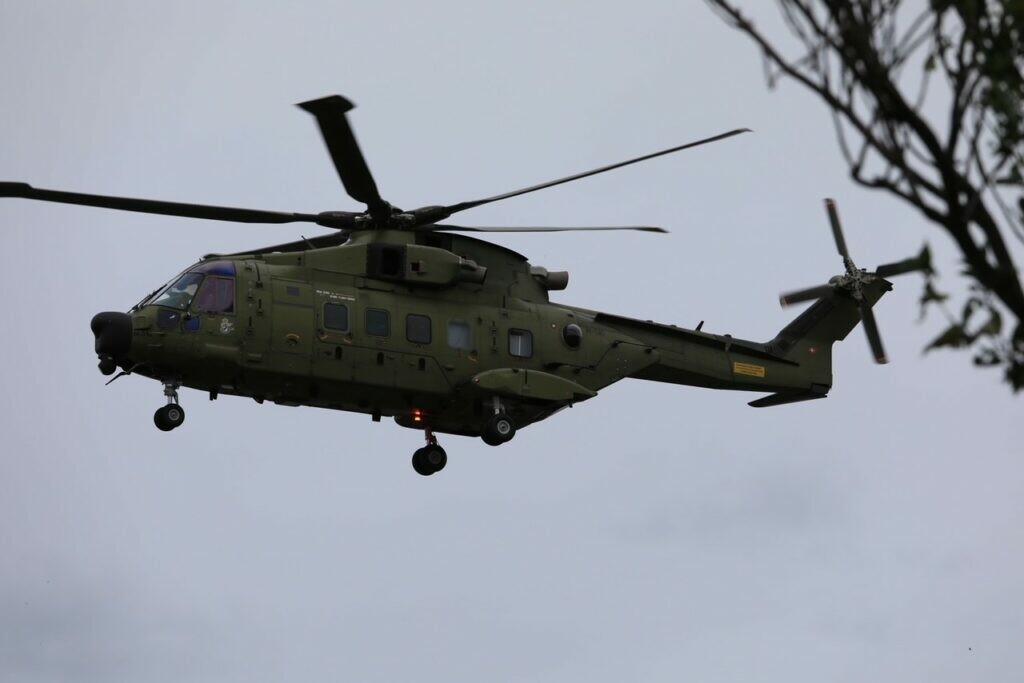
(355, 328)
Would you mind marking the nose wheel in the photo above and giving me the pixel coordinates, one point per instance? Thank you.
(429, 459)
(169, 417)
(172, 415)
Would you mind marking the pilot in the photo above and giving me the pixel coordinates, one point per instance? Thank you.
(180, 294)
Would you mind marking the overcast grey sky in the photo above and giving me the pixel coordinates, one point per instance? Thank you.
(657, 533)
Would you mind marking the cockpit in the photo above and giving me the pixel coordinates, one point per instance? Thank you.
(208, 287)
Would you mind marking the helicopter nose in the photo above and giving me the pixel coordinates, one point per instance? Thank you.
(113, 332)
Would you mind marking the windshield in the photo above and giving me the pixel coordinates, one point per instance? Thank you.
(179, 295)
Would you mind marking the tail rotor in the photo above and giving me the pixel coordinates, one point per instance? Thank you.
(853, 282)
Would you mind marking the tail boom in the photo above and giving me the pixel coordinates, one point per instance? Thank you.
(794, 366)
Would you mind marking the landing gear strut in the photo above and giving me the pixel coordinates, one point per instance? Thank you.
(172, 415)
(431, 458)
(499, 428)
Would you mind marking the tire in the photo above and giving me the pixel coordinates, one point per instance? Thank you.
(420, 464)
(499, 429)
(169, 417)
(160, 421)
(435, 457)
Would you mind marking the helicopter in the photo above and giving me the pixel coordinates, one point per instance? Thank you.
(398, 314)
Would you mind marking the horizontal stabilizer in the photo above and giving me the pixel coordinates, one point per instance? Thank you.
(782, 398)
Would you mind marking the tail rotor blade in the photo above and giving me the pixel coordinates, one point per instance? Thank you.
(808, 294)
(922, 262)
(344, 150)
(837, 230)
(871, 330)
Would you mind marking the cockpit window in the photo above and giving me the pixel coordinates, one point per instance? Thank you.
(216, 295)
(179, 294)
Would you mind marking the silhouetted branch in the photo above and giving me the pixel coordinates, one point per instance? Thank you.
(854, 55)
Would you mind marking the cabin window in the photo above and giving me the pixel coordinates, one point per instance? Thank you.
(216, 295)
(378, 322)
(573, 335)
(336, 317)
(167, 319)
(520, 343)
(417, 328)
(459, 335)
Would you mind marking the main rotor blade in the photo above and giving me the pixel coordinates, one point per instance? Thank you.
(455, 208)
(808, 294)
(837, 230)
(922, 262)
(215, 213)
(344, 150)
(871, 330)
(462, 228)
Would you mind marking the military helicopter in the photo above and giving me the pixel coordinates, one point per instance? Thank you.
(397, 314)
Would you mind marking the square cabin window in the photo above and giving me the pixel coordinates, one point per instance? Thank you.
(378, 322)
(336, 317)
(417, 328)
(459, 335)
(520, 343)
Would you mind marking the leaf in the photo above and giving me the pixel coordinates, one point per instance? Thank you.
(929, 296)
(1015, 376)
(970, 306)
(988, 358)
(993, 327)
(955, 337)
(1013, 177)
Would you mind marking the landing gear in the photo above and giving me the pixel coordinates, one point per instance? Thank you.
(499, 428)
(172, 415)
(429, 459)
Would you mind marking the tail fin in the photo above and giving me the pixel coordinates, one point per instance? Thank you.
(808, 339)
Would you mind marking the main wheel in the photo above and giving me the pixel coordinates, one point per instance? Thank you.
(435, 457)
(498, 430)
(429, 459)
(169, 417)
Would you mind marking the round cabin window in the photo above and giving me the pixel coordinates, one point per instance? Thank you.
(573, 335)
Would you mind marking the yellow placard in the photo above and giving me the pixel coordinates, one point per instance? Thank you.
(748, 369)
